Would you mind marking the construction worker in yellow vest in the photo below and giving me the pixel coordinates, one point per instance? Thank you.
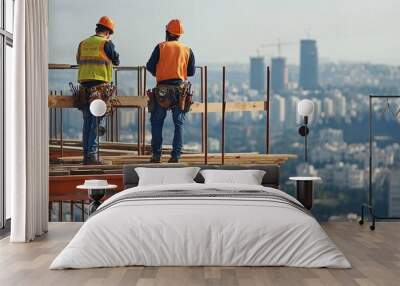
(171, 63)
(96, 56)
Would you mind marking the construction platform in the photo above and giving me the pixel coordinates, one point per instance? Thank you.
(67, 172)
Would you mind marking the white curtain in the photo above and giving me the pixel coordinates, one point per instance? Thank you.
(27, 123)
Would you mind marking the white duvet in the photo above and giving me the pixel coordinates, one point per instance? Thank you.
(200, 231)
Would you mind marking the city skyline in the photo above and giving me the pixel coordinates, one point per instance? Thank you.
(361, 39)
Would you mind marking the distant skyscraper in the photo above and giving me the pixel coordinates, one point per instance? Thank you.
(328, 107)
(317, 110)
(292, 118)
(339, 102)
(277, 111)
(394, 193)
(257, 74)
(308, 64)
(279, 76)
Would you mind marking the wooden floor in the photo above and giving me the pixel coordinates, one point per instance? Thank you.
(375, 257)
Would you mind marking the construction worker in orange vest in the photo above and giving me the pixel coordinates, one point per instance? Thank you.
(96, 56)
(171, 63)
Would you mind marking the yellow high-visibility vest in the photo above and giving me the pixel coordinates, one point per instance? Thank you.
(93, 61)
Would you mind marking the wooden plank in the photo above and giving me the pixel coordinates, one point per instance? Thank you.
(61, 66)
(55, 101)
(190, 157)
(186, 159)
(64, 187)
(124, 146)
(68, 66)
(213, 107)
(141, 101)
(232, 159)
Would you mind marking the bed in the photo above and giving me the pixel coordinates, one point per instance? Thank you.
(197, 224)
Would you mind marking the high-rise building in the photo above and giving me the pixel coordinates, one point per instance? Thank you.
(315, 116)
(308, 64)
(292, 118)
(279, 76)
(328, 107)
(277, 110)
(394, 193)
(340, 104)
(257, 74)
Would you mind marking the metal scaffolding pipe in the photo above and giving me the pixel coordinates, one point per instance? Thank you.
(223, 117)
(202, 101)
(144, 111)
(205, 116)
(267, 113)
(139, 114)
(51, 120)
(61, 131)
(55, 120)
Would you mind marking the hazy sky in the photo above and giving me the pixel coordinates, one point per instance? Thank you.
(232, 30)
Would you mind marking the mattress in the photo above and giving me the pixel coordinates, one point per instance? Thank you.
(201, 225)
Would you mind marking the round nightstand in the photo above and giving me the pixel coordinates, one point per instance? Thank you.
(304, 190)
(95, 193)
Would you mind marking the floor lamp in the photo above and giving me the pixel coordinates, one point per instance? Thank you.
(305, 108)
(98, 108)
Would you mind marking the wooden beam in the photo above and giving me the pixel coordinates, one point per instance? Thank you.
(68, 66)
(61, 66)
(56, 101)
(199, 107)
(193, 159)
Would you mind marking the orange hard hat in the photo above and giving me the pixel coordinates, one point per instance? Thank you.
(175, 27)
(107, 22)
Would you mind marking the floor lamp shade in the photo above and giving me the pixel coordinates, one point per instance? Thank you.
(305, 107)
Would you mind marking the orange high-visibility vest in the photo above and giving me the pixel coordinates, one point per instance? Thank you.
(173, 61)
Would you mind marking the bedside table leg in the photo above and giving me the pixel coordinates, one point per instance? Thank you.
(305, 193)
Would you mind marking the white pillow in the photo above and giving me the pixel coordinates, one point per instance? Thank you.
(248, 177)
(166, 176)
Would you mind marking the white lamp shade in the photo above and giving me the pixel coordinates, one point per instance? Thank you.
(305, 107)
(98, 107)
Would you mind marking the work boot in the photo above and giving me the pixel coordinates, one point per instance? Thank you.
(91, 160)
(173, 160)
(155, 159)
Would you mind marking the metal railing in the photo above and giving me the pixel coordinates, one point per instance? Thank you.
(62, 209)
(203, 107)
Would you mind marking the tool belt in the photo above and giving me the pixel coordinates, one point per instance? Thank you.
(168, 96)
(83, 96)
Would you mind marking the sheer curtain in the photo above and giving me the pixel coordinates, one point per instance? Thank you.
(27, 123)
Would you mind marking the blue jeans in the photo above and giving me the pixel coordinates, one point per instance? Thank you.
(89, 134)
(157, 122)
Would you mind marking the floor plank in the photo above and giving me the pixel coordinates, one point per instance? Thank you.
(375, 257)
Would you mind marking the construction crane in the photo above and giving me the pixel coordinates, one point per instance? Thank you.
(279, 45)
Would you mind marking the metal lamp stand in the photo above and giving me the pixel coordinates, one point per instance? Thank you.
(303, 131)
(98, 138)
(369, 205)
